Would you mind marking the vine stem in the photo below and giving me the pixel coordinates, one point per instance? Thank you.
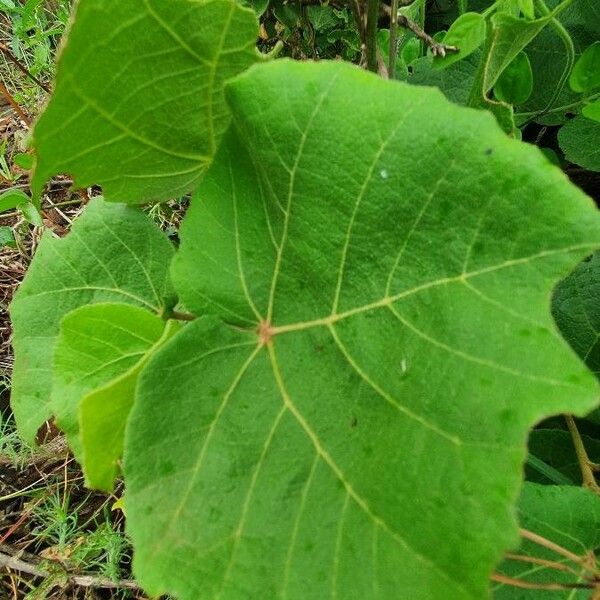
(13, 103)
(10, 56)
(585, 464)
(371, 34)
(569, 47)
(545, 543)
(539, 586)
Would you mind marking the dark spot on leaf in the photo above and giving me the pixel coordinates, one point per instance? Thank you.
(354, 422)
(319, 348)
(489, 151)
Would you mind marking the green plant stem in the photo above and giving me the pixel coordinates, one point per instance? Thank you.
(563, 108)
(462, 7)
(585, 464)
(569, 47)
(371, 34)
(393, 39)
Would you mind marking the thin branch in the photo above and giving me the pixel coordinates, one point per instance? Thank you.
(371, 34)
(13, 59)
(15, 563)
(585, 464)
(539, 586)
(550, 564)
(436, 48)
(14, 105)
(545, 543)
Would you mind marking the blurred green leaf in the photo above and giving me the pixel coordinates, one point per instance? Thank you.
(31, 214)
(515, 84)
(7, 237)
(586, 72)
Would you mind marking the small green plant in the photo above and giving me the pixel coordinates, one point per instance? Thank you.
(326, 388)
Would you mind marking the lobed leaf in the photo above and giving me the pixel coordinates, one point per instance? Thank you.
(112, 254)
(352, 421)
(138, 106)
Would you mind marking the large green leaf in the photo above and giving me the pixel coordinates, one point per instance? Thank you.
(566, 516)
(354, 426)
(113, 253)
(138, 106)
(98, 356)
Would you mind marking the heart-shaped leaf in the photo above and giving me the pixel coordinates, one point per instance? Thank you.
(354, 424)
(515, 84)
(586, 72)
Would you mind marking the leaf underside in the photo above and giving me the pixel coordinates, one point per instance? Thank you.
(351, 421)
(567, 516)
(138, 106)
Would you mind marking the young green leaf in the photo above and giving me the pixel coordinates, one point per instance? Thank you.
(515, 84)
(592, 111)
(23, 160)
(510, 35)
(566, 516)
(7, 237)
(112, 254)
(11, 199)
(355, 424)
(585, 76)
(98, 355)
(31, 214)
(467, 33)
(138, 106)
(527, 8)
(579, 139)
